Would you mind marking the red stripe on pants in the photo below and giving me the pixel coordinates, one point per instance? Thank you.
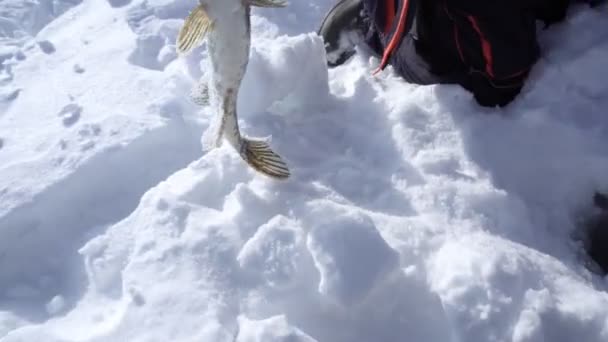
(485, 46)
(389, 15)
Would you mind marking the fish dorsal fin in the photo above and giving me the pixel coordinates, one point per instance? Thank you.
(267, 3)
(196, 25)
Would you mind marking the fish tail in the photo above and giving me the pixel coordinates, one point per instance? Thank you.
(259, 155)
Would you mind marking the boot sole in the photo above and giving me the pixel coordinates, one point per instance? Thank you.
(332, 36)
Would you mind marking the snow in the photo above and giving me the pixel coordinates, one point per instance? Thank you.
(272, 329)
(411, 213)
(55, 305)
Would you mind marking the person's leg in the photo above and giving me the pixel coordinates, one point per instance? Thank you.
(341, 29)
(363, 22)
(410, 65)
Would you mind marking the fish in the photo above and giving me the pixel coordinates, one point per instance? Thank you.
(225, 26)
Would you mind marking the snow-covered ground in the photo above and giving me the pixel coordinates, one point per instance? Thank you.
(412, 214)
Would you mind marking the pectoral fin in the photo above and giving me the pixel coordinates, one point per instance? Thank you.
(267, 3)
(196, 25)
(200, 93)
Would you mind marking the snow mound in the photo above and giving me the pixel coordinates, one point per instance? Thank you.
(350, 255)
(411, 213)
(274, 252)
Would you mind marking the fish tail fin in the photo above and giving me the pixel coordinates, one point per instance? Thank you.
(267, 3)
(259, 155)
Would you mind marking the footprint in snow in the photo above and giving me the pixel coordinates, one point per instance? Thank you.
(1, 143)
(6, 98)
(46, 46)
(78, 69)
(11, 95)
(119, 3)
(70, 114)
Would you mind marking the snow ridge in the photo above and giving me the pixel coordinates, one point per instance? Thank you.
(412, 213)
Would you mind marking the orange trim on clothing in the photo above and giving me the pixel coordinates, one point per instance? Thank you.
(486, 48)
(389, 15)
(396, 37)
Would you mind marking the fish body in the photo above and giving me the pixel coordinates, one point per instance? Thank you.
(226, 25)
(228, 45)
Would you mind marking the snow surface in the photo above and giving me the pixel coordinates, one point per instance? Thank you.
(412, 213)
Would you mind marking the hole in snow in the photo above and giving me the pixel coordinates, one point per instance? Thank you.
(46, 46)
(70, 114)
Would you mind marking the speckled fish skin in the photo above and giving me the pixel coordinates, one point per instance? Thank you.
(228, 45)
(228, 28)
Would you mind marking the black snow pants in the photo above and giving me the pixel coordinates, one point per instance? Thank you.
(488, 47)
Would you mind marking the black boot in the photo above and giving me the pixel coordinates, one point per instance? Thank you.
(598, 233)
(342, 27)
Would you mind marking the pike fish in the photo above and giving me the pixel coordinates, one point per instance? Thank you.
(226, 26)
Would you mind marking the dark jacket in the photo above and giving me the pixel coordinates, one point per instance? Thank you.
(488, 47)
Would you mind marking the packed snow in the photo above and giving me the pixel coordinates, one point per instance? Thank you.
(412, 213)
